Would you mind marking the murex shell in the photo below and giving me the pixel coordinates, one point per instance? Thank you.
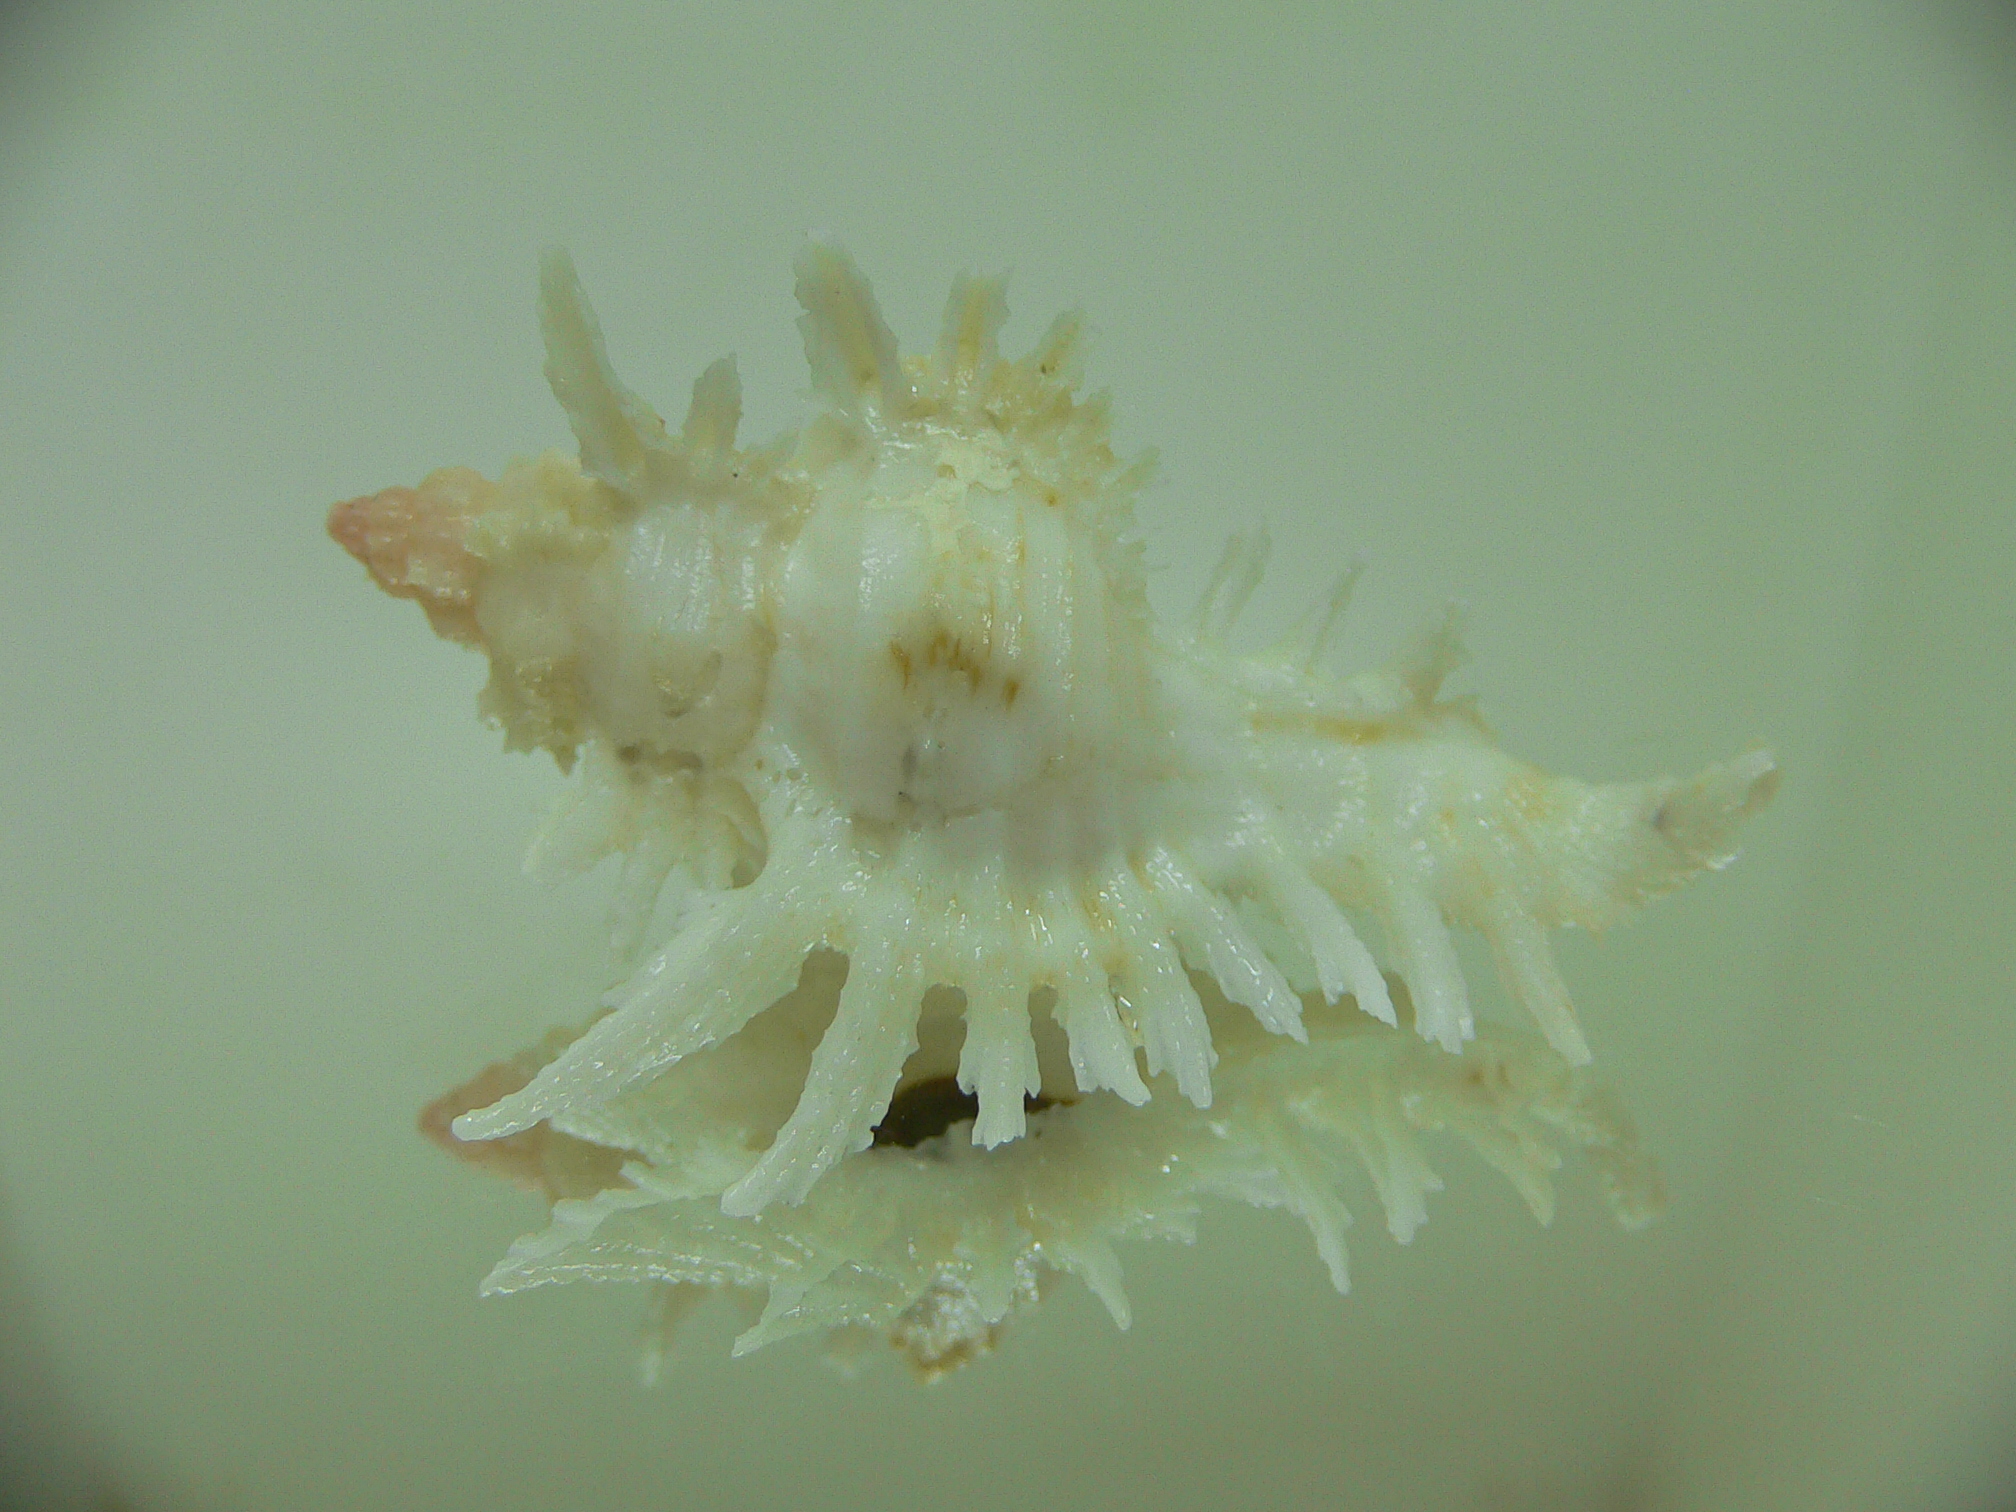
(937, 799)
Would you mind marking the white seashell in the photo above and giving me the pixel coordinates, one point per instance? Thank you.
(886, 697)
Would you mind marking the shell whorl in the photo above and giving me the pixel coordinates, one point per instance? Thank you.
(970, 576)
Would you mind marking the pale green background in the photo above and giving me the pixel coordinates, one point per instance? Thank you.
(1676, 340)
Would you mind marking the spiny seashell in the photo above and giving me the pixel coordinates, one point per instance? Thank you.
(886, 698)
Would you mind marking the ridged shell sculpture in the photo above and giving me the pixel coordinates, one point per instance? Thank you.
(954, 888)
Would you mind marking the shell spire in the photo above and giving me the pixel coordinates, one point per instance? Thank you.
(925, 823)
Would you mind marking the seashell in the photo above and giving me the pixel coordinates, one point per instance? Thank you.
(883, 702)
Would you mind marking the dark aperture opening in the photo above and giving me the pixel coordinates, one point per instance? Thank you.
(926, 1109)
